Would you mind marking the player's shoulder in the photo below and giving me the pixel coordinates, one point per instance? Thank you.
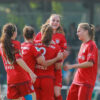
(38, 43)
(38, 34)
(60, 34)
(22, 44)
(92, 45)
(16, 43)
(25, 44)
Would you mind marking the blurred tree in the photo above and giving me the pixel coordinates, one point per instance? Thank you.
(57, 7)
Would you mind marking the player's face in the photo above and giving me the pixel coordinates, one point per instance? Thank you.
(81, 33)
(55, 22)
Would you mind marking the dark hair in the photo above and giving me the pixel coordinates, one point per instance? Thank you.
(7, 32)
(47, 33)
(28, 32)
(90, 28)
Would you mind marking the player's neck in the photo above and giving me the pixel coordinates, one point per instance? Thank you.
(54, 31)
(29, 41)
(86, 40)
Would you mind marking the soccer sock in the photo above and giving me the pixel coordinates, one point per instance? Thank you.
(58, 98)
(28, 97)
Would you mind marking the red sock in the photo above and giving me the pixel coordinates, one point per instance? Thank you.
(58, 98)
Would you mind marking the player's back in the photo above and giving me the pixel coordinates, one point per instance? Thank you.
(29, 54)
(14, 71)
(49, 52)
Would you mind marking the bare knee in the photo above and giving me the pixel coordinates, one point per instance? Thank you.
(57, 91)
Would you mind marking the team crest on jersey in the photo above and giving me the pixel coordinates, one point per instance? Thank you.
(57, 41)
(81, 57)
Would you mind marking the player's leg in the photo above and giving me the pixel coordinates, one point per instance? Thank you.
(34, 96)
(85, 93)
(57, 91)
(37, 88)
(31, 96)
(73, 92)
(47, 89)
(15, 91)
(58, 85)
(18, 98)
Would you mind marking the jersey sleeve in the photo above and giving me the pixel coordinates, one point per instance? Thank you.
(63, 43)
(91, 54)
(38, 36)
(58, 49)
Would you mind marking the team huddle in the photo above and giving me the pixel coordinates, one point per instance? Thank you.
(34, 67)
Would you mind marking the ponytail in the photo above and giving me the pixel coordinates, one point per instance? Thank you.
(7, 33)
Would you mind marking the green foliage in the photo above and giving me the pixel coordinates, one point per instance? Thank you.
(39, 21)
(33, 5)
(57, 7)
(14, 18)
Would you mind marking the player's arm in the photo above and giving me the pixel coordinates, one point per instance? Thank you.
(81, 65)
(22, 64)
(45, 63)
(58, 65)
(65, 54)
(41, 60)
(54, 60)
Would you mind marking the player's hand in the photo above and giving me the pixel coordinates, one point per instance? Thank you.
(33, 76)
(65, 54)
(41, 67)
(60, 55)
(67, 67)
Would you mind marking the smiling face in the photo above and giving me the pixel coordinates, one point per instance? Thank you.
(55, 22)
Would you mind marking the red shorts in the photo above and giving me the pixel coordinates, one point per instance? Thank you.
(58, 78)
(44, 88)
(14, 91)
(80, 92)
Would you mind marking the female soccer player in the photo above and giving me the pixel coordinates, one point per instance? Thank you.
(29, 52)
(85, 77)
(18, 81)
(58, 38)
(44, 84)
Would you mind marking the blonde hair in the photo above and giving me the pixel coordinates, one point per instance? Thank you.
(90, 28)
(60, 28)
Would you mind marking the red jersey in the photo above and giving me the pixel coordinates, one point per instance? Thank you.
(49, 52)
(29, 54)
(58, 38)
(15, 74)
(38, 36)
(88, 52)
